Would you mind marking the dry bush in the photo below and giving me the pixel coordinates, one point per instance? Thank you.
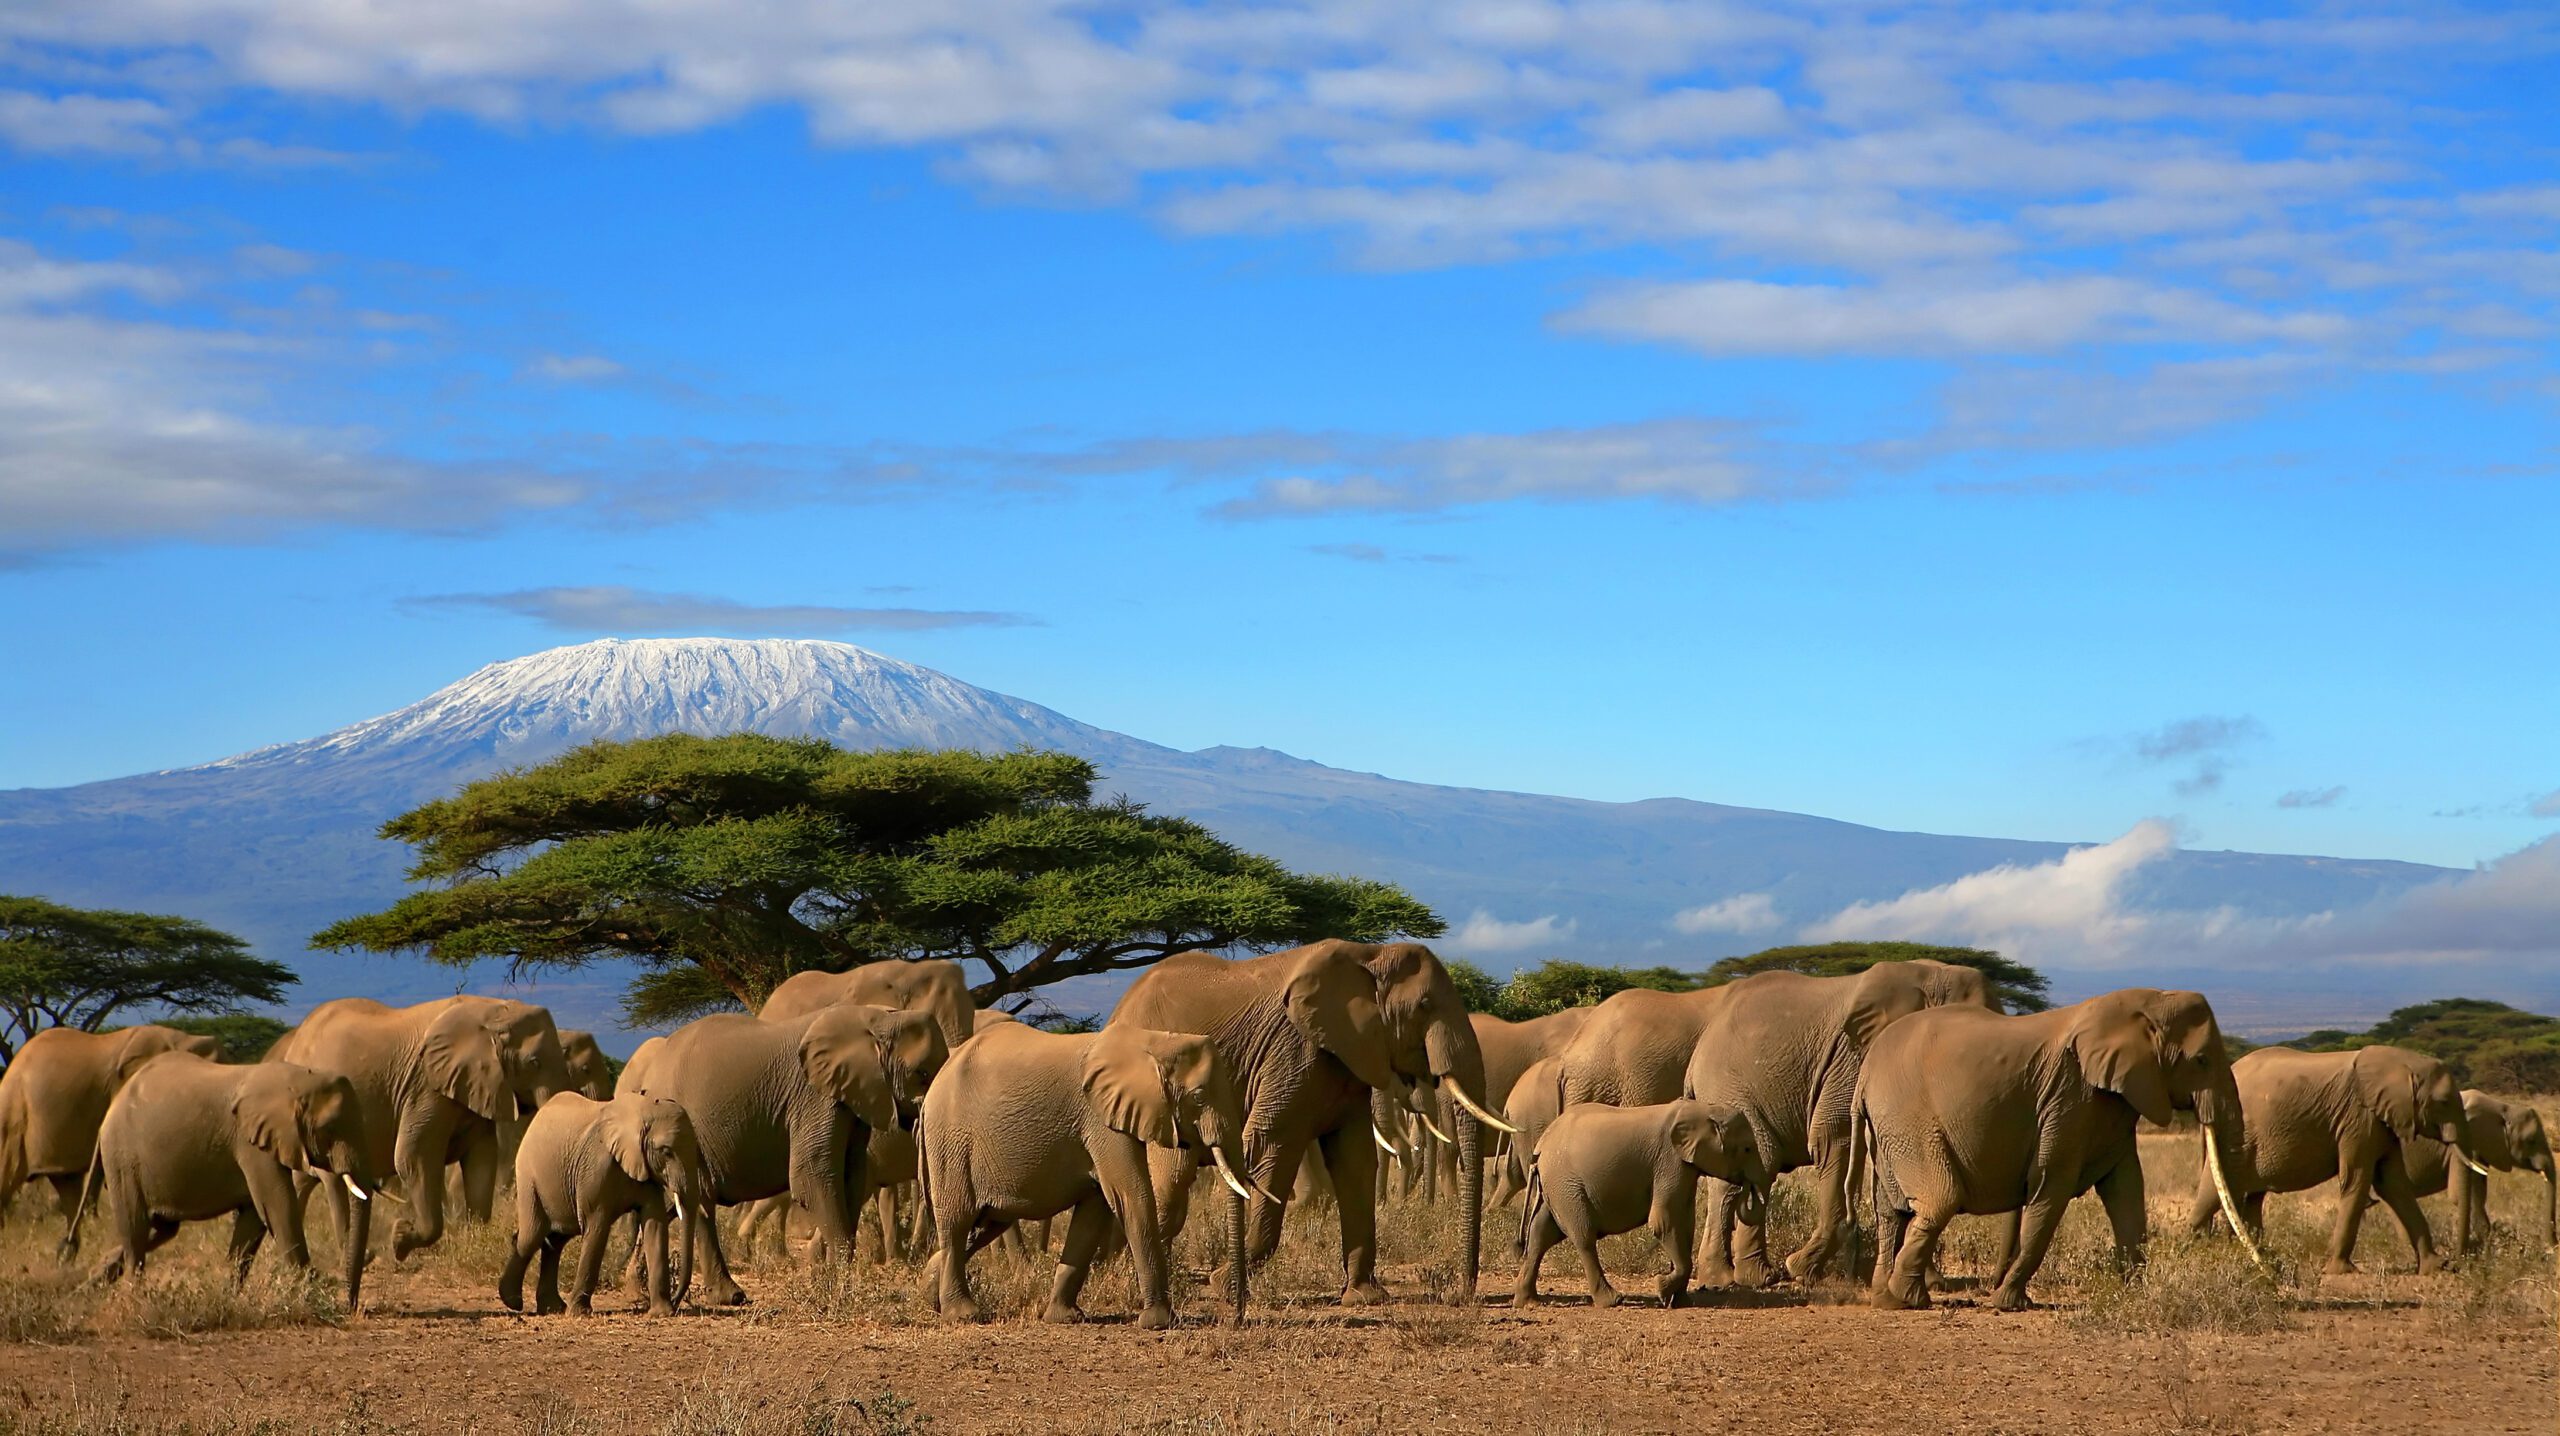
(44, 1304)
(202, 1297)
(748, 1411)
(2187, 1284)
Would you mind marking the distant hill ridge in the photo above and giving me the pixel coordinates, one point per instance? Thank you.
(277, 842)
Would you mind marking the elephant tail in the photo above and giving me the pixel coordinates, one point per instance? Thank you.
(90, 1181)
(1533, 1195)
(1862, 1157)
(924, 1189)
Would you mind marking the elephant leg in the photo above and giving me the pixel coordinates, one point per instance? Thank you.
(279, 1214)
(2004, 1243)
(546, 1292)
(2128, 1213)
(333, 1200)
(247, 1232)
(719, 1288)
(1538, 1232)
(2205, 1207)
(1351, 1154)
(2397, 1194)
(957, 1231)
(1820, 1253)
(1715, 1256)
(2463, 1184)
(1674, 1221)
(1906, 1286)
(885, 1204)
(1586, 1244)
(420, 1167)
(1751, 1266)
(2038, 1220)
(2355, 1188)
(1085, 1230)
(480, 1173)
(527, 1246)
(1173, 1173)
(582, 1286)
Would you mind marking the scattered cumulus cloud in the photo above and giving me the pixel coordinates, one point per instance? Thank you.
(1373, 553)
(574, 369)
(1483, 932)
(1743, 912)
(2203, 745)
(2311, 797)
(615, 609)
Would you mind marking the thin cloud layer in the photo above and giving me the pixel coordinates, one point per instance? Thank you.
(612, 608)
(1743, 912)
(1483, 932)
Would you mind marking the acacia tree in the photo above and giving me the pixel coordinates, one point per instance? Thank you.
(2014, 985)
(75, 967)
(724, 865)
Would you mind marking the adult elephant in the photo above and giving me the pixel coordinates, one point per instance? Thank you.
(1970, 1112)
(1785, 1050)
(55, 1094)
(930, 985)
(1310, 1033)
(2505, 1137)
(590, 1071)
(435, 1080)
(789, 1106)
(2313, 1117)
(1511, 1049)
(189, 1139)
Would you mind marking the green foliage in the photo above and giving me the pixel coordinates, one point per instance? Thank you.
(75, 967)
(2487, 1044)
(245, 1036)
(1555, 985)
(2014, 985)
(724, 865)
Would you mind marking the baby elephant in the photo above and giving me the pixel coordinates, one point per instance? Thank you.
(585, 1163)
(1604, 1170)
(187, 1140)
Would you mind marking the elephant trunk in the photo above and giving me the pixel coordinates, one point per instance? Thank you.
(1458, 1064)
(359, 1234)
(1235, 1253)
(2550, 1203)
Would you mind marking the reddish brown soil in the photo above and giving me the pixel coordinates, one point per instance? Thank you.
(447, 1359)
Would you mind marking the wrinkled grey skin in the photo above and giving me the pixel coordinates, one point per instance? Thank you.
(189, 1140)
(55, 1094)
(1310, 1033)
(582, 1166)
(1785, 1050)
(928, 985)
(2504, 1137)
(1510, 1050)
(1603, 1170)
(789, 1106)
(436, 1079)
(1967, 1112)
(2314, 1117)
(1025, 1124)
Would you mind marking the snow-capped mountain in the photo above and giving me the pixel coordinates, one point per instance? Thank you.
(279, 842)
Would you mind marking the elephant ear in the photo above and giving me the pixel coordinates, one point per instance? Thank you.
(1129, 1075)
(2119, 1050)
(846, 1055)
(626, 1136)
(1885, 993)
(1333, 1002)
(461, 1060)
(1711, 1138)
(2392, 1086)
(268, 1111)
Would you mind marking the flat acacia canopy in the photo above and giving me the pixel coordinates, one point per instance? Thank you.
(724, 865)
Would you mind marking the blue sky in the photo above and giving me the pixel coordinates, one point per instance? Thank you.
(1968, 419)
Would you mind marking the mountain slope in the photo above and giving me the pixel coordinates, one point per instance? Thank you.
(278, 842)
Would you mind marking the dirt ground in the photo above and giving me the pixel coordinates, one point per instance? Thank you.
(2199, 1344)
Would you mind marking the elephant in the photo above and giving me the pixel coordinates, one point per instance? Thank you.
(55, 1093)
(932, 986)
(590, 1071)
(2505, 1137)
(189, 1139)
(2314, 1116)
(1511, 1049)
(1599, 1171)
(788, 1105)
(1784, 1049)
(1310, 1032)
(1963, 1110)
(1537, 1099)
(583, 1165)
(435, 1080)
(1025, 1124)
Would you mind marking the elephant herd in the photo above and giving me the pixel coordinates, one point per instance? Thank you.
(1905, 1084)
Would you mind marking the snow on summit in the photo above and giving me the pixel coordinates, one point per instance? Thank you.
(527, 709)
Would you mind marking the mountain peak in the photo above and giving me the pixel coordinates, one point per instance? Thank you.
(524, 710)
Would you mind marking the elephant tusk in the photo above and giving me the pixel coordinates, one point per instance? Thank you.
(1433, 1128)
(2466, 1161)
(357, 1192)
(1268, 1195)
(675, 1199)
(2230, 1207)
(1458, 1094)
(1238, 1187)
(1390, 1148)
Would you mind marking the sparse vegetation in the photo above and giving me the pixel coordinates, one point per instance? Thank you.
(2487, 1044)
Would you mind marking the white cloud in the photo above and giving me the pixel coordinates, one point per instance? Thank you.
(1483, 932)
(574, 369)
(2546, 806)
(2311, 797)
(2073, 901)
(1744, 912)
(614, 608)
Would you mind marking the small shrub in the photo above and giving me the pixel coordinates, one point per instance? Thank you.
(205, 1298)
(2187, 1285)
(43, 1305)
